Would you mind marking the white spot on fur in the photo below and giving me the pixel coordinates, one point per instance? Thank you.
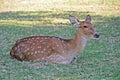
(28, 53)
(42, 51)
(32, 53)
(35, 52)
(45, 37)
(63, 51)
(39, 46)
(57, 45)
(53, 47)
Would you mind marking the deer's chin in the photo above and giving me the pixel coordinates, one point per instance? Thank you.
(95, 36)
(90, 37)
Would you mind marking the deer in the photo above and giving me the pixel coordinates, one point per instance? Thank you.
(55, 49)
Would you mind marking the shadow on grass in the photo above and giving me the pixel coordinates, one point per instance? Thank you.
(34, 15)
(39, 18)
(49, 17)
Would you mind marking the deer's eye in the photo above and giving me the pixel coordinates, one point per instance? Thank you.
(85, 26)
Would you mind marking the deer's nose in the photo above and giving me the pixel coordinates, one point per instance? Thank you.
(96, 35)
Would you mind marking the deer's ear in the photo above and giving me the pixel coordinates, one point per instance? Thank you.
(74, 20)
(88, 18)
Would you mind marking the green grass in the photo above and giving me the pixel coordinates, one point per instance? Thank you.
(100, 59)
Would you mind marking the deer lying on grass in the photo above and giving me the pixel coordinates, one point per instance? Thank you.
(55, 49)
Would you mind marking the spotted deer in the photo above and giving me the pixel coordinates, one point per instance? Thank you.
(55, 49)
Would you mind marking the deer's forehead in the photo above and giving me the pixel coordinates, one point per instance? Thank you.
(85, 23)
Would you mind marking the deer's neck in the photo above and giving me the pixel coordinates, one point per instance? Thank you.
(78, 42)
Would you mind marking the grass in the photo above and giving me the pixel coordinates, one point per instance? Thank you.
(100, 59)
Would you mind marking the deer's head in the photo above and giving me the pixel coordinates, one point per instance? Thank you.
(85, 27)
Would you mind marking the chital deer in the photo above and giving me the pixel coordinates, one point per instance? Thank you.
(55, 49)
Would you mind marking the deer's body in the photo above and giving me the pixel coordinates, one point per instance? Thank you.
(52, 49)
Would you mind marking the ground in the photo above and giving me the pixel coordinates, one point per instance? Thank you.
(100, 59)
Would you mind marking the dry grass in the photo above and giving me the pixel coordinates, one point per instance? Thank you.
(98, 7)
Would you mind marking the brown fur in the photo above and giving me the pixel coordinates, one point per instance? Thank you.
(53, 49)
